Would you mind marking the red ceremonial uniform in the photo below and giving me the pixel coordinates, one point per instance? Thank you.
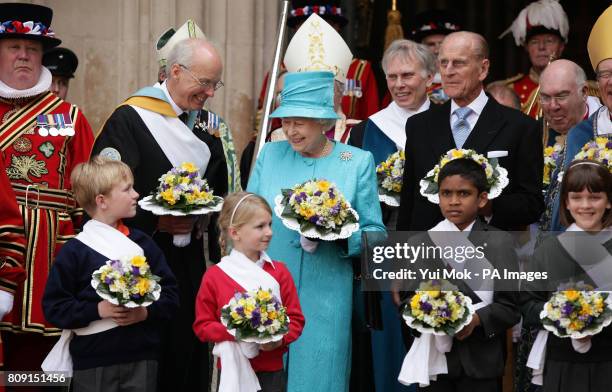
(527, 90)
(38, 166)
(361, 92)
(216, 291)
(12, 242)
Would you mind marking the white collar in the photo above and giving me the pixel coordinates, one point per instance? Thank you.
(43, 85)
(406, 114)
(175, 107)
(263, 258)
(574, 227)
(476, 105)
(447, 225)
(602, 122)
(392, 121)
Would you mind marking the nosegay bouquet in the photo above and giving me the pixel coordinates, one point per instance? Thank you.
(255, 317)
(183, 189)
(317, 209)
(576, 312)
(497, 176)
(438, 310)
(599, 150)
(551, 158)
(128, 282)
(182, 192)
(389, 174)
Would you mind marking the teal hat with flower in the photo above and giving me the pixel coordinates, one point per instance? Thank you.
(307, 94)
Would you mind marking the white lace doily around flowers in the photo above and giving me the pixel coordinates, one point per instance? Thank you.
(292, 224)
(496, 190)
(270, 339)
(576, 335)
(148, 204)
(156, 293)
(412, 322)
(391, 201)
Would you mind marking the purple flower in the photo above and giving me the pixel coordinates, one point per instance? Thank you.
(267, 322)
(314, 219)
(445, 312)
(425, 307)
(567, 309)
(240, 311)
(255, 318)
(108, 280)
(135, 270)
(317, 193)
(135, 296)
(609, 144)
(116, 265)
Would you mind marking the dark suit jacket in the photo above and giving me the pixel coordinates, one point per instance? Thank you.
(482, 354)
(498, 129)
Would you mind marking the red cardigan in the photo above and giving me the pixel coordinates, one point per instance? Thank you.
(218, 288)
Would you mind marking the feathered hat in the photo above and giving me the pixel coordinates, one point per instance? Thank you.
(540, 17)
(327, 9)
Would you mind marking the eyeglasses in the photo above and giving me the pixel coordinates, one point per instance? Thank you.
(207, 84)
(546, 41)
(604, 75)
(560, 99)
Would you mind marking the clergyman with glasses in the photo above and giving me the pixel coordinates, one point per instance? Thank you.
(599, 123)
(152, 131)
(565, 103)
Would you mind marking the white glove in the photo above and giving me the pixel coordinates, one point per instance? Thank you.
(581, 345)
(6, 303)
(308, 245)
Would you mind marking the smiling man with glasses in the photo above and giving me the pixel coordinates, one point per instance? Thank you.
(599, 122)
(155, 129)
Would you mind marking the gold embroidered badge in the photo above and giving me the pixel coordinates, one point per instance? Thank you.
(22, 167)
(22, 144)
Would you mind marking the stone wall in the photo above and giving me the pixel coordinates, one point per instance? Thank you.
(114, 41)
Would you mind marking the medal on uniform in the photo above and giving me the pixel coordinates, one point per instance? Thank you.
(43, 126)
(352, 88)
(54, 125)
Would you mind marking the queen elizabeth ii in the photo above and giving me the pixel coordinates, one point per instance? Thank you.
(320, 359)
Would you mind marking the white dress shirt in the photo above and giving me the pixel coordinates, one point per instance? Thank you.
(476, 105)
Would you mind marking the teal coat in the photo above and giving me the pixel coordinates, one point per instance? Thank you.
(320, 359)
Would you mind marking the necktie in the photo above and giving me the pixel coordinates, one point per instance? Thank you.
(461, 128)
(183, 117)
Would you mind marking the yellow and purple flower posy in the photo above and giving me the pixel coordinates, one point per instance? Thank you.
(182, 188)
(255, 314)
(317, 203)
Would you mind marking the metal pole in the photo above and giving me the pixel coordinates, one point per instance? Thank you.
(272, 80)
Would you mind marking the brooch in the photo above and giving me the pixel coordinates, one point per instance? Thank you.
(346, 156)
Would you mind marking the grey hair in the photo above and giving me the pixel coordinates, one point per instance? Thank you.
(182, 53)
(581, 77)
(410, 50)
(326, 123)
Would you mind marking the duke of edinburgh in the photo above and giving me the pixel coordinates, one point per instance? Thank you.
(41, 138)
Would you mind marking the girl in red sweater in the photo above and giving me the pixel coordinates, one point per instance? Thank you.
(245, 222)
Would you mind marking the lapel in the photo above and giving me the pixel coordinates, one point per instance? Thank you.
(488, 125)
(440, 133)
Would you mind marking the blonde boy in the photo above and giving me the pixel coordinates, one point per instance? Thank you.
(113, 348)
